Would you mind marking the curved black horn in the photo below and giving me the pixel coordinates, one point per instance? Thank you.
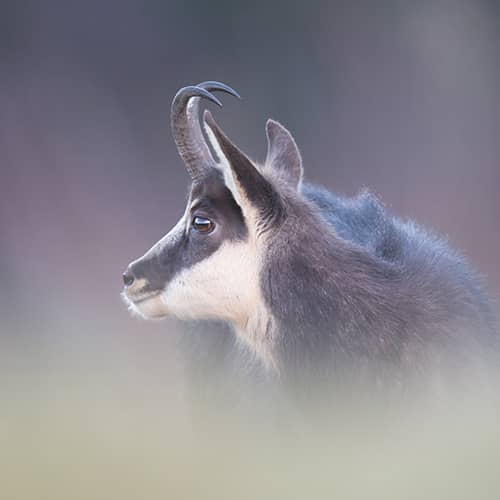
(211, 86)
(186, 126)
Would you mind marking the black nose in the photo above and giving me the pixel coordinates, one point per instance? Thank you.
(128, 278)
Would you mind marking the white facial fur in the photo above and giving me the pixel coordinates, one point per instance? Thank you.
(223, 286)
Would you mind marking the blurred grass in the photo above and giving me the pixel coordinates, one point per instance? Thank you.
(106, 434)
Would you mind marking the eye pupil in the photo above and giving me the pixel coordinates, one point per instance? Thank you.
(202, 224)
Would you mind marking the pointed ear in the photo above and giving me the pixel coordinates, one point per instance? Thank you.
(283, 155)
(250, 188)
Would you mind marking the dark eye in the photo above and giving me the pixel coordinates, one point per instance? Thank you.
(202, 224)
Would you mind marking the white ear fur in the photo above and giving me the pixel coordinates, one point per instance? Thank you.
(221, 158)
(224, 166)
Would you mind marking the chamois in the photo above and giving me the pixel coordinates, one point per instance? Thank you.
(307, 281)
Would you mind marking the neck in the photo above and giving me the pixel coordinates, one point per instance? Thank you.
(328, 298)
(257, 331)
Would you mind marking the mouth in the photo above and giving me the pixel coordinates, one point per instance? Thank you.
(146, 305)
(140, 291)
(143, 297)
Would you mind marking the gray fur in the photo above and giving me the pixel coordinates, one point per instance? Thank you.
(358, 286)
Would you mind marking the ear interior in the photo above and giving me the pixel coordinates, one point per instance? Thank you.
(212, 140)
(283, 155)
(222, 161)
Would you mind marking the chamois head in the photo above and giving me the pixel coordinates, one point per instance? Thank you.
(208, 265)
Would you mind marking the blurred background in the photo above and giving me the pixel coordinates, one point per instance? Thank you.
(398, 96)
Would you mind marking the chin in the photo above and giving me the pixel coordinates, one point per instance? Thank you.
(146, 308)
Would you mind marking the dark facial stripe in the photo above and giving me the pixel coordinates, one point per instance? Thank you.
(183, 248)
